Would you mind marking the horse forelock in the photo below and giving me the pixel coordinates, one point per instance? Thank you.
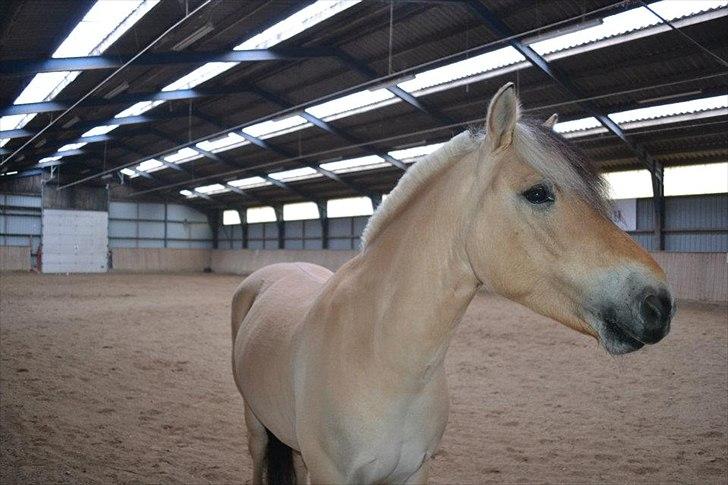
(560, 162)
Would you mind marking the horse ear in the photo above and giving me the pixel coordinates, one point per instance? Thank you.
(553, 119)
(503, 114)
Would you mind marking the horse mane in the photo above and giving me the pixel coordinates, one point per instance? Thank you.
(560, 162)
(418, 174)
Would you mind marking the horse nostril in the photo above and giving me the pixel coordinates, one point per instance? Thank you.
(656, 311)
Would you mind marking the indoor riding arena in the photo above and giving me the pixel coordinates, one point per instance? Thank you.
(155, 153)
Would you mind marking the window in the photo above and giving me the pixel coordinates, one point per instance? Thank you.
(230, 218)
(697, 179)
(631, 184)
(300, 211)
(352, 206)
(260, 214)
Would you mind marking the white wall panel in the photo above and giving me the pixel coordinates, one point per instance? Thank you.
(75, 241)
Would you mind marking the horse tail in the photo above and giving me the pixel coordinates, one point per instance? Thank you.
(279, 462)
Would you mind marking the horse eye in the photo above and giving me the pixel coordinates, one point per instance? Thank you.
(539, 194)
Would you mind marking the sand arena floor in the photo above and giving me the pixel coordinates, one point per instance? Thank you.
(126, 378)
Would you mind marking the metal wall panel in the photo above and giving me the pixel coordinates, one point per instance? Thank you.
(697, 242)
(142, 225)
(176, 212)
(151, 211)
(703, 212)
(312, 228)
(151, 230)
(23, 201)
(123, 210)
(20, 222)
(123, 229)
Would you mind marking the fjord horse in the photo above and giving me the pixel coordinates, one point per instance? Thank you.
(342, 374)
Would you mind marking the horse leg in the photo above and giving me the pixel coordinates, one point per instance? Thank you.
(300, 467)
(257, 443)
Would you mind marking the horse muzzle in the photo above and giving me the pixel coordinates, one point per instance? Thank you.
(637, 315)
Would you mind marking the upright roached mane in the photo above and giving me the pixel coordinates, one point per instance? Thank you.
(559, 162)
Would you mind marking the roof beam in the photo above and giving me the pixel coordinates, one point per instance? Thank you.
(15, 67)
(418, 104)
(124, 98)
(227, 162)
(265, 145)
(319, 123)
(87, 125)
(500, 28)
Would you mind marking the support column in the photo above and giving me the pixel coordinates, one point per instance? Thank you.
(658, 204)
(242, 213)
(376, 200)
(281, 226)
(213, 219)
(324, 218)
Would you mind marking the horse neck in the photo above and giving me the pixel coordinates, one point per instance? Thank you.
(420, 276)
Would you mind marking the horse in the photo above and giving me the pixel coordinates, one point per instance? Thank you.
(342, 373)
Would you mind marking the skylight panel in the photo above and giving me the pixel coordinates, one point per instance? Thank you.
(102, 25)
(260, 214)
(295, 24)
(71, 146)
(212, 189)
(100, 130)
(49, 159)
(623, 22)
(149, 165)
(412, 154)
(368, 162)
(462, 69)
(300, 211)
(138, 108)
(249, 182)
(200, 75)
(271, 128)
(188, 193)
(295, 174)
(3, 141)
(129, 172)
(672, 109)
(287, 28)
(577, 125)
(352, 102)
(184, 155)
(227, 142)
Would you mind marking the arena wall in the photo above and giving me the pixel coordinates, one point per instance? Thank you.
(245, 261)
(696, 276)
(14, 258)
(693, 276)
(166, 260)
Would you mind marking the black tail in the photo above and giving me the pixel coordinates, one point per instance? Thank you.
(279, 462)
